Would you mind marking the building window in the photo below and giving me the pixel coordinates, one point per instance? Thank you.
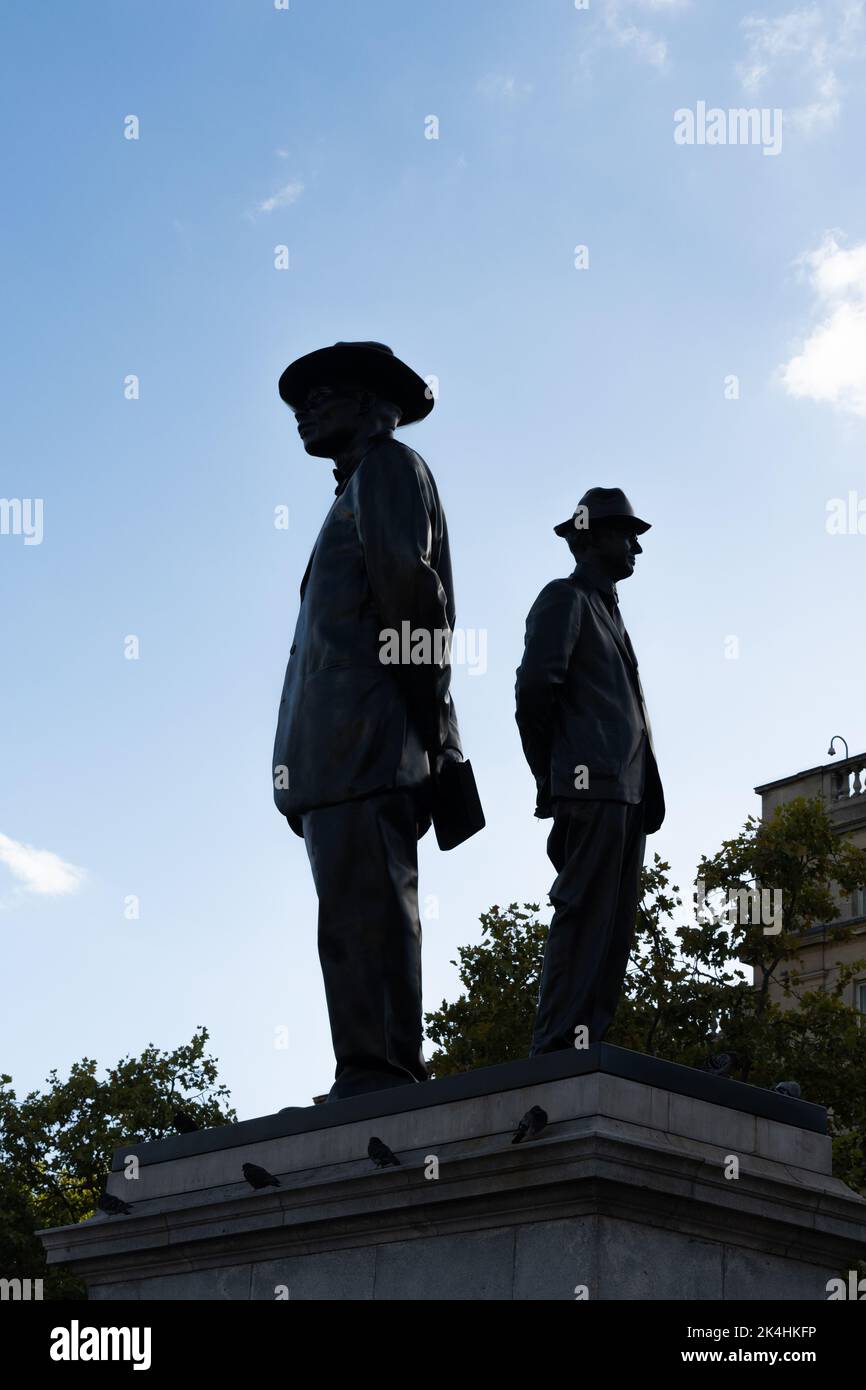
(861, 997)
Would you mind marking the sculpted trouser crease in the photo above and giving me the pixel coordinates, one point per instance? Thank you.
(364, 858)
(597, 849)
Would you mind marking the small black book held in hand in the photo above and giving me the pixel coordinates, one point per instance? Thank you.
(456, 807)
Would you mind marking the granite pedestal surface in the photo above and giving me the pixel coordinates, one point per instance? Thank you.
(628, 1193)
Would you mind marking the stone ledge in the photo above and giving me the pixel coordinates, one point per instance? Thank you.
(472, 1123)
(611, 1169)
(621, 1166)
(598, 1058)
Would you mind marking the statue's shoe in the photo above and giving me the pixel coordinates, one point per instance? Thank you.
(355, 1081)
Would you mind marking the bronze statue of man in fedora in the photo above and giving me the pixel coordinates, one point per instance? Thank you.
(361, 743)
(586, 735)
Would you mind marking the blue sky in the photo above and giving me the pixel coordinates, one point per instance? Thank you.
(155, 257)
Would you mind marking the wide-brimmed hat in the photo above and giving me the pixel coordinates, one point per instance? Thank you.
(372, 365)
(608, 504)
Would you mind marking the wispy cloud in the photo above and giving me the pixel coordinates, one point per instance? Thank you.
(625, 27)
(289, 193)
(803, 50)
(39, 870)
(831, 366)
(498, 86)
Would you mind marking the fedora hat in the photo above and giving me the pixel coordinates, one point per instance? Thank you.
(608, 504)
(372, 365)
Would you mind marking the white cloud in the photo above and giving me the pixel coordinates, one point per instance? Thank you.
(831, 365)
(624, 24)
(289, 193)
(500, 87)
(620, 18)
(39, 870)
(801, 51)
(626, 34)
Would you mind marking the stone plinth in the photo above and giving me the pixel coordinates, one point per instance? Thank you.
(623, 1194)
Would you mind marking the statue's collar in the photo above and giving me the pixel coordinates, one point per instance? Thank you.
(593, 578)
(344, 470)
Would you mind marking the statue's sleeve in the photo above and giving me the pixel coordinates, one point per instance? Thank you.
(552, 630)
(396, 515)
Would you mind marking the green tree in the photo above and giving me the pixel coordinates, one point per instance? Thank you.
(687, 992)
(797, 853)
(56, 1146)
(492, 1021)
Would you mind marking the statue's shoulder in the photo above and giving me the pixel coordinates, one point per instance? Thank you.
(560, 591)
(390, 464)
(393, 453)
(559, 601)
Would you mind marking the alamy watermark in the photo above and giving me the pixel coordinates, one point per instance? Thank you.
(420, 646)
(22, 516)
(855, 1289)
(846, 516)
(740, 125)
(21, 1290)
(77, 1343)
(745, 906)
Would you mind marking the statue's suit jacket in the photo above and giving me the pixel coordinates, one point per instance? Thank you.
(580, 702)
(350, 726)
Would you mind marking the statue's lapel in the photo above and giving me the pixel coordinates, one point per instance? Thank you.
(602, 609)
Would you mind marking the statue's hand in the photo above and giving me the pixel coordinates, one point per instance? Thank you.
(448, 755)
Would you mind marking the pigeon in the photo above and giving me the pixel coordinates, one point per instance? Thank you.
(259, 1177)
(721, 1063)
(381, 1154)
(113, 1206)
(788, 1088)
(531, 1125)
(184, 1123)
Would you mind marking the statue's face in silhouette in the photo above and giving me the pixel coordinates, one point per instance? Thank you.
(328, 419)
(618, 548)
(612, 548)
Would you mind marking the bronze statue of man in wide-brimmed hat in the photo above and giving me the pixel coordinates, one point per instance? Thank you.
(365, 742)
(586, 735)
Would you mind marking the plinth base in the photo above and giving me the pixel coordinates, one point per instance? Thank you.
(629, 1193)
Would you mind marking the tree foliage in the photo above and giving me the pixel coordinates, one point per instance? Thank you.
(701, 986)
(56, 1145)
(492, 1021)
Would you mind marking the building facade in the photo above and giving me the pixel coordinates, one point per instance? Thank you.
(842, 788)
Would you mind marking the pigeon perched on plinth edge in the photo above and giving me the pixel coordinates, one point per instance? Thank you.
(113, 1206)
(259, 1177)
(381, 1154)
(531, 1125)
(788, 1088)
(721, 1063)
(184, 1123)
